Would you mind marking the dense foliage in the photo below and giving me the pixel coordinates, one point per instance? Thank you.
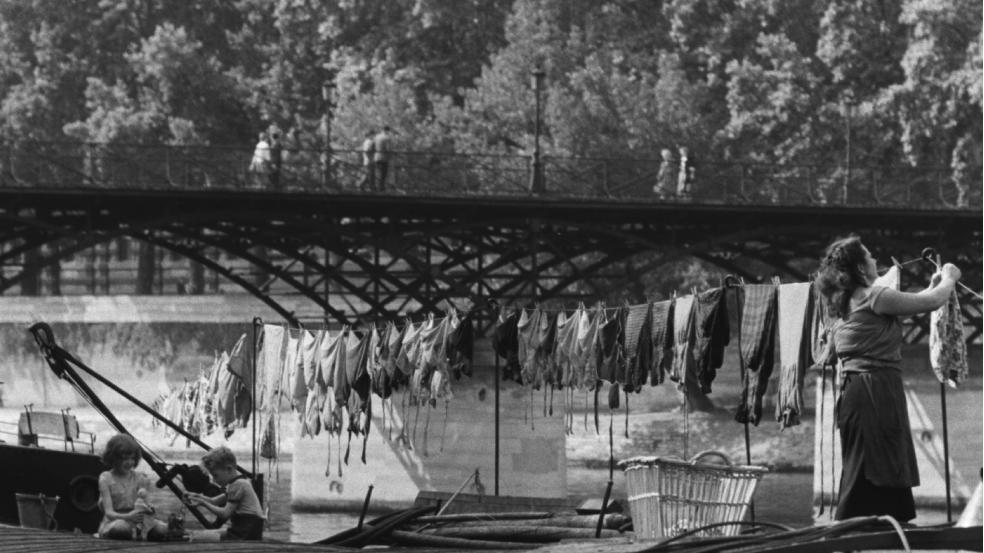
(768, 80)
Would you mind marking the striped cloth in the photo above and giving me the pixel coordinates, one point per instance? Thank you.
(795, 350)
(638, 346)
(758, 329)
(661, 331)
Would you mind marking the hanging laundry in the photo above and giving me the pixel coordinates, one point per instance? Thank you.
(711, 334)
(311, 416)
(661, 340)
(461, 347)
(572, 349)
(432, 343)
(394, 342)
(683, 339)
(757, 337)
(405, 361)
(891, 278)
(590, 350)
(947, 345)
(638, 346)
(611, 363)
(341, 386)
(238, 365)
(795, 349)
(291, 362)
(505, 342)
(357, 375)
(306, 362)
(559, 365)
(269, 365)
(526, 331)
(379, 380)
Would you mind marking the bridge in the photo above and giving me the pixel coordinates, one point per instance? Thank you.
(446, 228)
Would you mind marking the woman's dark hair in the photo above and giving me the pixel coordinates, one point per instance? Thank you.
(120, 447)
(840, 274)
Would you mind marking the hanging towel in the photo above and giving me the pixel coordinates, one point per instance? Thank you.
(758, 331)
(795, 350)
(711, 334)
(683, 308)
(394, 343)
(638, 346)
(505, 342)
(270, 364)
(947, 345)
(661, 340)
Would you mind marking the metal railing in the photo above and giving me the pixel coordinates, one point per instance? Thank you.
(68, 165)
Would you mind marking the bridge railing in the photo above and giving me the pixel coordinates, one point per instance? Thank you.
(145, 167)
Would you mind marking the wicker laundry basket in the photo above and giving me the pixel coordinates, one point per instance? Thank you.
(669, 496)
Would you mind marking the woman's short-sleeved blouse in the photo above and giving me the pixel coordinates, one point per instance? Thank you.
(866, 339)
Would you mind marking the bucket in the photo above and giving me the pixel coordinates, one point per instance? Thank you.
(37, 511)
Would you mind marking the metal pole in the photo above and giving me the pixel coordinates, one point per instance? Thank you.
(946, 452)
(847, 154)
(497, 386)
(326, 95)
(537, 183)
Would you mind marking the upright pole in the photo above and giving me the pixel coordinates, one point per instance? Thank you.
(326, 95)
(496, 376)
(536, 186)
(946, 452)
(257, 324)
(847, 154)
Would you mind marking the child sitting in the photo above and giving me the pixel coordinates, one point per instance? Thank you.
(239, 504)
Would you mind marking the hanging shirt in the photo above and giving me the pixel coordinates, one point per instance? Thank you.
(394, 341)
(407, 343)
(611, 365)
(357, 376)
(794, 350)
(571, 352)
(947, 345)
(661, 340)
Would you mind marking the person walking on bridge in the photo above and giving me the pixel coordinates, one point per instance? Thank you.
(381, 156)
(368, 181)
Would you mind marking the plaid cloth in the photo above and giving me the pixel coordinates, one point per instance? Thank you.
(947, 346)
(758, 330)
(661, 332)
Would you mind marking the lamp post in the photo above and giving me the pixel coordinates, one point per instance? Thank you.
(327, 95)
(536, 182)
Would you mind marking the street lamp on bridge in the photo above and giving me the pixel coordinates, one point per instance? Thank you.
(536, 182)
(328, 96)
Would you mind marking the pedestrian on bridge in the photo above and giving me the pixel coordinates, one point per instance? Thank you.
(865, 338)
(368, 181)
(666, 178)
(381, 155)
(685, 178)
(259, 166)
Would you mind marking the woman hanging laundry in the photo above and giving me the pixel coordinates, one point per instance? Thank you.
(879, 462)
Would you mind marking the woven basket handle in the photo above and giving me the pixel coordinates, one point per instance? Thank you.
(711, 453)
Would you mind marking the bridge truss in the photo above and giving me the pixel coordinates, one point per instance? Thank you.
(348, 256)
